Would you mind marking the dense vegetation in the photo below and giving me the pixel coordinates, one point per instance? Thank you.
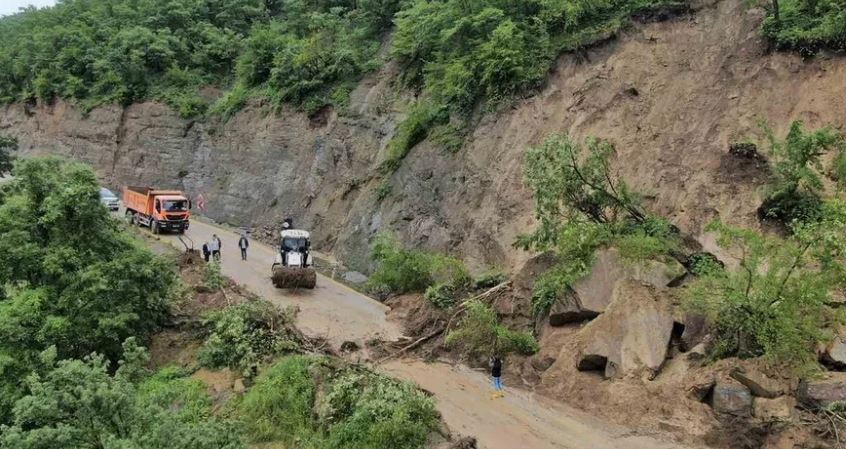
(121, 51)
(808, 25)
(581, 205)
(70, 279)
(8, 145)
(317, 403)
(78, 404)
(479, 333)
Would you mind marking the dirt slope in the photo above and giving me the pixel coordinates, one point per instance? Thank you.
(672, 95)
(339, 313)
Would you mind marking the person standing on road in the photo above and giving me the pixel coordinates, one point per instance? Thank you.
(214, 246)
(206, 251)
(243, 243)
(496, 374)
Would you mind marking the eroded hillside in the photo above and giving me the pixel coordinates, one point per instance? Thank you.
(672, 96)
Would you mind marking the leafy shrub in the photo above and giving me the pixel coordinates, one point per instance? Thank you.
(442, 296)
(490, 279)
(383, 191)
(402, 270)
(794, 193)
(366, 410)
(480, 333)
(775, 303)
(279, 406)
(212, 277)
(246, 334)
(358, 408)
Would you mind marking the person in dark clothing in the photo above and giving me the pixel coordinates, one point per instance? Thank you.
(496, 373)
(206, 251)
(243, 243)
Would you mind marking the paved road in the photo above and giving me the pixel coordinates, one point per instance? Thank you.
(520, 420)
(332, 310)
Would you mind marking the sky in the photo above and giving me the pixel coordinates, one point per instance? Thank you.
(11, 6)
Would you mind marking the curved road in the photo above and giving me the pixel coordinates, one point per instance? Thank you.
(338, 313)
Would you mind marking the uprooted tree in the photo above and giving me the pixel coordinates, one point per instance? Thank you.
(581, 205)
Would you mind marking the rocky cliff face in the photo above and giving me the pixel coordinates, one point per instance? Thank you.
(672, 96)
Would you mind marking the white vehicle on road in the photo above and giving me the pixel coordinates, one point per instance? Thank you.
(109, 199)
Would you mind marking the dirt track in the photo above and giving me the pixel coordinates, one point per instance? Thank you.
(332, 310)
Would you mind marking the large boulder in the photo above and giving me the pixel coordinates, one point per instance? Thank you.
(591, 295)
(823, 392)
(731, 398)
(632, 335)
(834, 354)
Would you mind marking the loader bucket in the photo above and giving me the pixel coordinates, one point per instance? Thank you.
(294, 277)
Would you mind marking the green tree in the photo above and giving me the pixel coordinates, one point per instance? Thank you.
(797, 185)
(8, 145)
(775, 304)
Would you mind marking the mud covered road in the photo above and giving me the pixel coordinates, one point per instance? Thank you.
(338, 313)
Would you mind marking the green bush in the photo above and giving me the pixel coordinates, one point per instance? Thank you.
(279, 406)
(775, 304)
(355, 408)
(383, 190)
(401, 270)
(442, 296)
(244, 335)
(8, 145)
(212, 277)
(480, 333)
(490, 279)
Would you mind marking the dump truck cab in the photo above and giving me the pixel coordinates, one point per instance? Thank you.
(161, 210)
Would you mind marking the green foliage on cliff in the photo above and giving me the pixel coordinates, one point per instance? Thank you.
(808, 25)
(8, 145)
(70, 278)
(400, 270)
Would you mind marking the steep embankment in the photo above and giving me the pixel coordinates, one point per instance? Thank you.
(671, 95)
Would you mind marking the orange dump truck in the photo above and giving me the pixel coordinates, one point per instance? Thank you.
(161, 210)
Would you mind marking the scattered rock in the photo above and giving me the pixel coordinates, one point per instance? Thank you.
(697, 353)
(238, 386)
(542, 363)
(778, 409)
(593, 293)
(822, 392)
(695, 331)
(349, 346)
(745, 150)
(632, 335)
(354, 277)
(702, 388)
(568, 309)
(759, 384)
(731, 398)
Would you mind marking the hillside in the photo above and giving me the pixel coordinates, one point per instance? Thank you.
(672, 96)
